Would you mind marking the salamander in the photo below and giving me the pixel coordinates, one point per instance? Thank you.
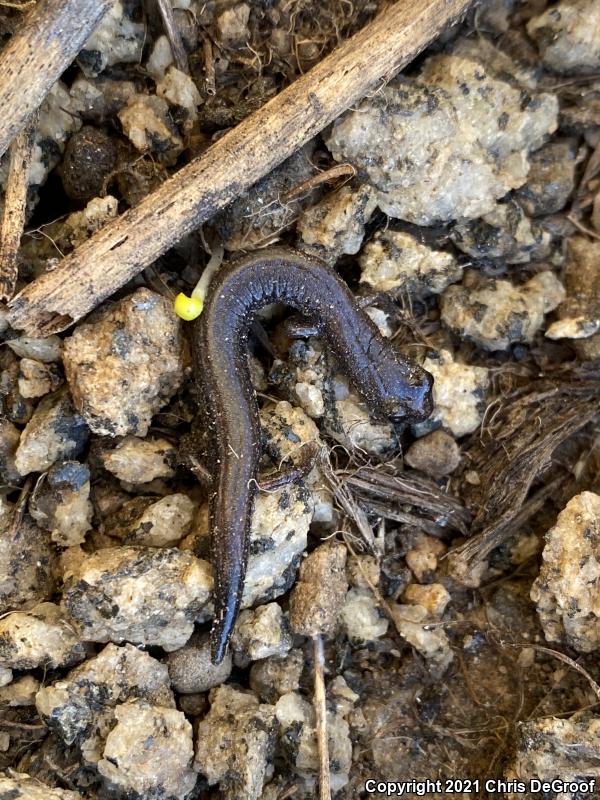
(393, 387)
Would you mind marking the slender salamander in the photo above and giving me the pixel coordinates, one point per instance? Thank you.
(394, 388)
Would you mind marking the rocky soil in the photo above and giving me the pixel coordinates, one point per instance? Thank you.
(453, 567)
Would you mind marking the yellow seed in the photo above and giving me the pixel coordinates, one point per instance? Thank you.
(188, 308)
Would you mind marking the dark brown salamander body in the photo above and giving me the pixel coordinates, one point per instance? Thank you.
(393, 388)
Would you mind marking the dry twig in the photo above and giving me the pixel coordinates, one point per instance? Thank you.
(15, 206)
(49, 38)
(172, 32)
(233, 163)
(321, 719)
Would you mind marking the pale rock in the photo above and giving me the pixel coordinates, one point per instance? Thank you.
(116, 40)
(135, 460)
(61, 503)
(362, 618)
(551, 748)
(336, 225)
(149, 752)
(28, 563)
(162, 524)
(447, 144)
(81, 707)
(160, 58)
(37, 379)
(381, 319)
(363, 571)
(433, 597)
(19, 786)
(350, 424)
(148, 126)
(579, 314)
(126, 364)
(179, 89)
(568, 36)
(42, 636)
(551, 179)
(505, 233)
(47, 349)
(55, 432)
(81, 225)
(566, 591)
(395, 260)
(57, 120)
(20, 693)
(273, 677)
(235, 743)
(261, 633)
(278, 537)
(496, 314)
(288, 430)
(297, 735)
(459, 392)
(9, 441)
(422, 558)
(232, 25)
(433, 644)
(97, 99)
(139, 594)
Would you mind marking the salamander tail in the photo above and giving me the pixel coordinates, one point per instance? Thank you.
(227, 604)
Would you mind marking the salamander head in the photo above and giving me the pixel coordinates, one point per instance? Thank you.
(409, 396)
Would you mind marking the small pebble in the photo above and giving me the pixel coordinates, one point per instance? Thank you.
(459, 394)
(422, 558)
(20, 786)
(496, 314)
(116, 40)
(336, 225)
(60, 503)
(579, 314)
(436, 454)
(90, 157)
(37, 379)
(80, 708)
(551, 179)
(432, 643)
(20, 693)
(433, 597)
(191, 669)
(273, 677)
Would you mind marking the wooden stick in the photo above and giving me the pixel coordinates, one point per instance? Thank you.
(49, 38)
(320, 706)
(15, 207)
(172, 33)
(121, 249)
